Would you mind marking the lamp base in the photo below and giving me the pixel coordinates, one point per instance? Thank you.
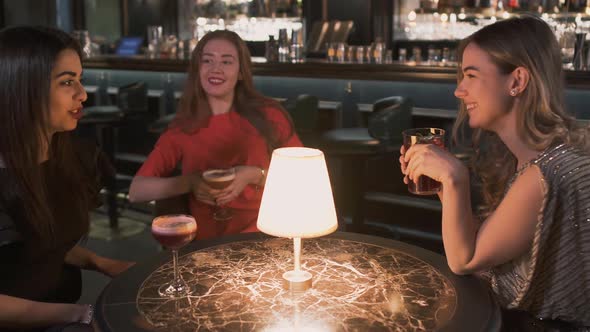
(297, 281)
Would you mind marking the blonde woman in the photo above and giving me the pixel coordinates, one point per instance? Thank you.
(532, 239)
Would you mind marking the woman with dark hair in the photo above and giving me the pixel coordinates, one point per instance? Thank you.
(222, 122)
(530, 240)
(47, 184)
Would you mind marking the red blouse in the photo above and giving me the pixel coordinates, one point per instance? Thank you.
(227, 140)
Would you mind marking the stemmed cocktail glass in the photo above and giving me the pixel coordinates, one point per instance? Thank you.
(174, 232)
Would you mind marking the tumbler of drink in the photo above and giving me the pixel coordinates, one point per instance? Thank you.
(424, 185)
(220, 179)
(174, 232)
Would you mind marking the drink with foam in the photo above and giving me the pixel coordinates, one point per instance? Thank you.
(424, 185)
(219, 178)
(174, 231)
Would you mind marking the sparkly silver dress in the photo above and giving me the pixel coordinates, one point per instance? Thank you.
(552, 280)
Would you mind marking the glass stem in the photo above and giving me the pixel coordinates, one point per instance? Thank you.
(177, 282)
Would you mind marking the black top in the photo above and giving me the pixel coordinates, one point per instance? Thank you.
(35, 272)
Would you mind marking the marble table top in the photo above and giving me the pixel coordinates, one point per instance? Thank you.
(357, 286)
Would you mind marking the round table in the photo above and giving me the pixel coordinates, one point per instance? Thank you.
(360, 283)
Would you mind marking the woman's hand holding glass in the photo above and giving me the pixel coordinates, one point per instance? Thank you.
(202, 191)
(432, 161)
(244, 175)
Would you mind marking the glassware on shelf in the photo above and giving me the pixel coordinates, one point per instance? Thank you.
(271, 52)
(249, 29)
(417, 55)
(331, 51)
(85, 43)
(296, 53)
(565, 33)
(389, 56)
(360, 54)
(378, 52)
(341, 52)
(154, 39)
(283, 46)
(402, 55)
(168, 47)
(297, 48)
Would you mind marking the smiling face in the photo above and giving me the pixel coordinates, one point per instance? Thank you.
(66, 92)
(483, 90)
(219, 69)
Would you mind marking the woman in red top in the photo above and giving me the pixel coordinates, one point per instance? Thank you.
(222, 122)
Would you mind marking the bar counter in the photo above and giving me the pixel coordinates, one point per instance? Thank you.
(346, 90)
(318, 68)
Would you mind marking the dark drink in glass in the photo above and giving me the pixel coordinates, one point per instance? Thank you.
(220, 179)
(174, 232)
(436, 136)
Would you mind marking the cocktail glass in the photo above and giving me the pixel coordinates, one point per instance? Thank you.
(174, 232)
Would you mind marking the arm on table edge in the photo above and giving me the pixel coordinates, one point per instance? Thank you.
(148, 188)
(505, 235)
(21, 313)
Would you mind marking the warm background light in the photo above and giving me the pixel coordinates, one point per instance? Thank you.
(297, 199)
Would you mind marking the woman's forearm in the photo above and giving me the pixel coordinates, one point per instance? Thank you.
(88, 260)
(82, 258)
(459, 230)
(20, 313)
(145, 188)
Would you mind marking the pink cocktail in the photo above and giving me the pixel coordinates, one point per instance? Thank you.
(174, 232)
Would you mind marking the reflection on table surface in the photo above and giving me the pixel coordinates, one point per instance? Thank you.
(358, 285)
(355, 286)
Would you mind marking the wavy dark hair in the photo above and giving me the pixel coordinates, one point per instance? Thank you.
(542, 120)
(194, 109)
(27, 57)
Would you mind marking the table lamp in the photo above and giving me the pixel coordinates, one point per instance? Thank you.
(297, 203)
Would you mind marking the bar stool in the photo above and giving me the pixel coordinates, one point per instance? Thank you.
(131, 104)
(304, 113)
(352, 146)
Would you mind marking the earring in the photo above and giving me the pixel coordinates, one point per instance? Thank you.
(513, 92)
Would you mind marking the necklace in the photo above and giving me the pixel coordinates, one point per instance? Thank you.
(524, 166)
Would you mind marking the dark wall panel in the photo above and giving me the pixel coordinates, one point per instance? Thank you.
(30, 12)
(358, 11)
(142, 13)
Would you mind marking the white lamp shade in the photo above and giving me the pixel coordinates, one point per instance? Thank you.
(297, 200)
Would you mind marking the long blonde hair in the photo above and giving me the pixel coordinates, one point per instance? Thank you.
(542, 120)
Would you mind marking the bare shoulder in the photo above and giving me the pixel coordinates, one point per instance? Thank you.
(531, 179)
(528, 189)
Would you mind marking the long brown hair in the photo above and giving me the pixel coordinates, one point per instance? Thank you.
(542, 120)
(194, 109)
(27, 57)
